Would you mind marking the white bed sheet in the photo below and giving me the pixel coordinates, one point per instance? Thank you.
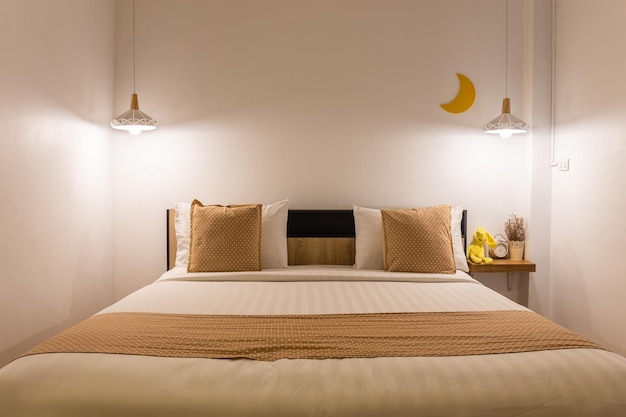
(574, 382)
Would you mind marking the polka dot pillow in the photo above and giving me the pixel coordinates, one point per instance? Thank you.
(225, 238)
(418, 240)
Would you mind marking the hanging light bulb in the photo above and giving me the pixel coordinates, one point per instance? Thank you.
(506, 124)
(134, 120)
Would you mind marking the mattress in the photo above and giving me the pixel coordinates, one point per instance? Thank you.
(564, 382)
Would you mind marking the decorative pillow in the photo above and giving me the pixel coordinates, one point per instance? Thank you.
(418, 240)
(460, 261)
(369, 246)
(368, 229)
(181, 226)
(273, 236)
(225, 238)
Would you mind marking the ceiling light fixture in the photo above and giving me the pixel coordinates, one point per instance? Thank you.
(134, 120)
(506, 124)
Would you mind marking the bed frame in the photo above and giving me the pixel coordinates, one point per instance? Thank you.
(314, 237)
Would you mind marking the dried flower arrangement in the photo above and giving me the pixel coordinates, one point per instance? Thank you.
(515, 228)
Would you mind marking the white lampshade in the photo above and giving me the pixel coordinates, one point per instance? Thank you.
(134, 120)
(506, 124)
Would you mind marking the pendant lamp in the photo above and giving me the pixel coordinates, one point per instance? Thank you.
(506, 124)
(134, 120)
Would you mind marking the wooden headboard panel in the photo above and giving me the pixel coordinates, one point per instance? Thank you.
(314, 237)
(320, 237)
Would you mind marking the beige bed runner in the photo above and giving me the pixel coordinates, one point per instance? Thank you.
(273, 337)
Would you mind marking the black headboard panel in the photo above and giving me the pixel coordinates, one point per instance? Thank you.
(464, 229)
(320, 223)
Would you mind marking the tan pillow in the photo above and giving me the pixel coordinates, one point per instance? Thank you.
(225, 238)
(418, 240)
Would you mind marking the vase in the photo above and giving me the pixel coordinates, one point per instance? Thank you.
(516, 249)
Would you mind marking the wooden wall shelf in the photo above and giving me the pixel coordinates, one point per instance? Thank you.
(509, 266)
(504, 265)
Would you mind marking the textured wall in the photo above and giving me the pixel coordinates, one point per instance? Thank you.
(56, 79)
(588, 285)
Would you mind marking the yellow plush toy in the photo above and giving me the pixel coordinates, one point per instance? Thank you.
(476, 251)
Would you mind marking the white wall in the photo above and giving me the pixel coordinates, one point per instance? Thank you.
(327, 103)
(588, 284)
(56, 82)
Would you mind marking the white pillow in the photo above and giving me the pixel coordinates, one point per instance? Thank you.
(368, 230)
(273, 234)
(368, 227)
(457, 239)
(181, 225)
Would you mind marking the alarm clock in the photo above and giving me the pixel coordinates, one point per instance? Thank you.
(501, 250)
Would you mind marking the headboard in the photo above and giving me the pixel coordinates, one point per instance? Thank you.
(320, 237)
(314, 237)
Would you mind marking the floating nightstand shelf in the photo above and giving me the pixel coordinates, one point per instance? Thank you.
(504, 265)
(509, 266)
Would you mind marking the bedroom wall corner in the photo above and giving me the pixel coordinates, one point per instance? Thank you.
(588, 285)
(538, 98)
(56, 167)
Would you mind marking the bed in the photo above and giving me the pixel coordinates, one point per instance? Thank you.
(327, 290)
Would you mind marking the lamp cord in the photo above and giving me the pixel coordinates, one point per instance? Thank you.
(506, 53)
(134, 88)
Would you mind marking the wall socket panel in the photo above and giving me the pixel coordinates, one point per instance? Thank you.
(563, 164)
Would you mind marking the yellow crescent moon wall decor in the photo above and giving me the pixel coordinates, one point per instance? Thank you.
(464, 99)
